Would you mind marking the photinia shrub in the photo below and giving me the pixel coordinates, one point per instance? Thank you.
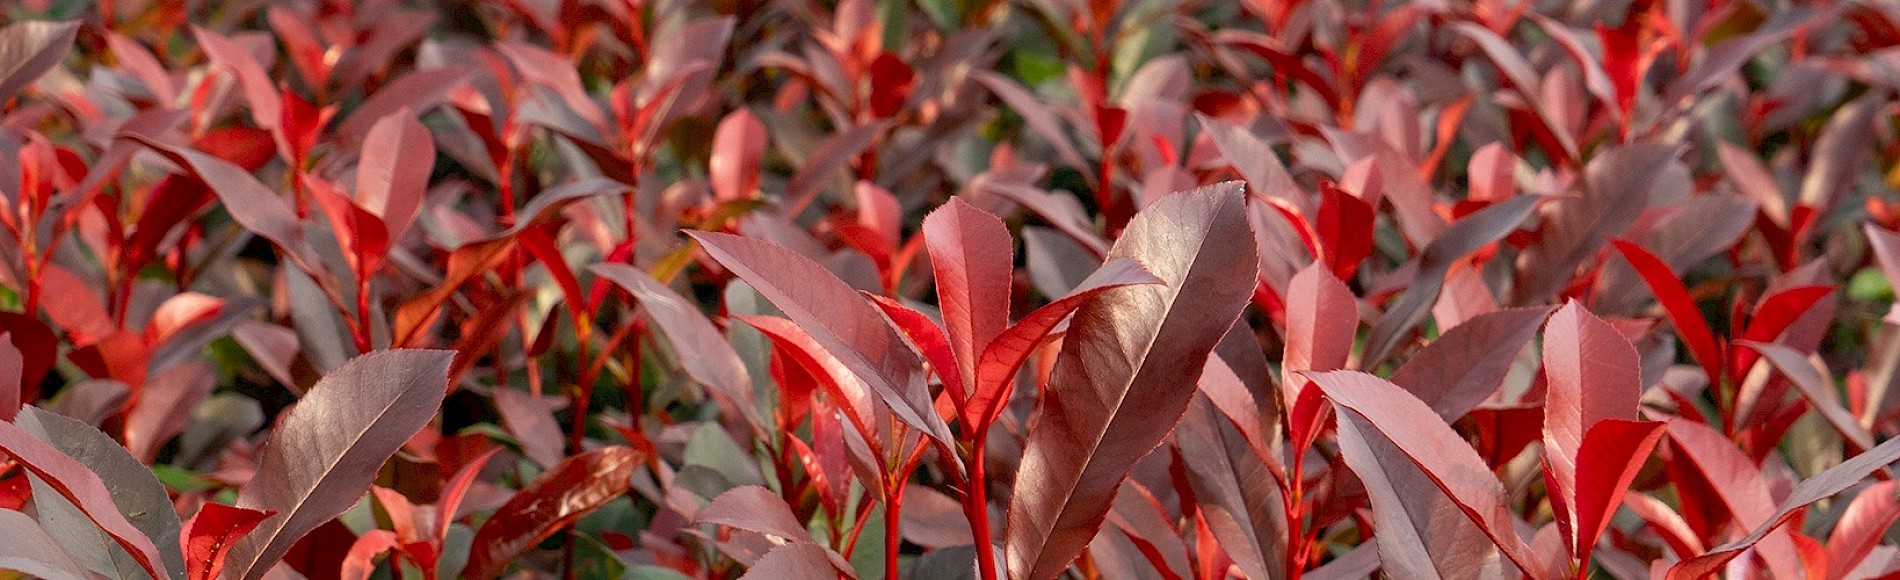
(946, 290)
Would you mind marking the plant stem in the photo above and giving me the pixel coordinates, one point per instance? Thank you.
(893, 538)
(362, 333)
(976, 508)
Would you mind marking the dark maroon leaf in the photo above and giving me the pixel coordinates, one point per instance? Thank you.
(325, 451)
(11, 366)
(1234, 489)
(1127, 370)
(1466, 364)
(1459, 239)
(704, 351)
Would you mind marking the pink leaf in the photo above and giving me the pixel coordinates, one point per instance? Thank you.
(79, 485)
(738, 149)
(1424, 440)
(30, 48)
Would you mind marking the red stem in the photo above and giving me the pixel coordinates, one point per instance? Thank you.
(1295, 506)
(976, 507)
(893, 539)
(361, 331)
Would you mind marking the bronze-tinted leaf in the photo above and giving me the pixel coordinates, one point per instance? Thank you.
(572, 489)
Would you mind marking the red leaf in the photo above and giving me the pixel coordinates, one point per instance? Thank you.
(1322, 317)
(1256, 161)
(1110, 123)
(540, 243)
(891, 83)
(996, 370)
(1741, 489)
(361, 234)
(574, 488)
(1774, 315)
(1425, 441)
(457, 486)
(838, 319)
(929, 340)
(1862, 526)
(793, 342)
(84, 489)
(1819, 390)
(1679, 305)
(1127, 369)
(972, 256)
(1593, 375)
(1524, 80)
(325, 452)
(393, 173)
(737, 150)
(212, 532)
(249, 202)
(1823, 485)
(1345, 229)
(259, 93)
(360, 562)
(1612, 452)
